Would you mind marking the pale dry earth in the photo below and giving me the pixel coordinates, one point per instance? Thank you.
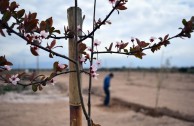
(50, 107)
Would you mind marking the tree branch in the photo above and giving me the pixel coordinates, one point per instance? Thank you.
(97, 27)
(34, 44)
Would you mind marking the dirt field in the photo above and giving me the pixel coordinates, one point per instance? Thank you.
(50, 107)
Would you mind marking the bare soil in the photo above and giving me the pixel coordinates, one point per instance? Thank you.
(50, 106)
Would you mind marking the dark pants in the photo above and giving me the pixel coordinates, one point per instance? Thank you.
(107, 97)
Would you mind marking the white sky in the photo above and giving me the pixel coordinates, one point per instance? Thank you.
(142, 19)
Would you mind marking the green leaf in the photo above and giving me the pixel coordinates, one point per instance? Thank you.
(125, 50)
(55, 66)
(184, 22)
(57, 31)
(160, 38)
(110, 47)
(40, 87)
(139, 54)
(51, 55)
(155, 47)
(34, 88)
(6, 16)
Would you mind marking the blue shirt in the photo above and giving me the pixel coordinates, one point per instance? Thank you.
(107, 82)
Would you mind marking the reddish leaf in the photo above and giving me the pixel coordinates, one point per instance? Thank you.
(121, 7)
(87, 56)
(165, 43)
(20, 13)
(123, 45)
(166, 37)
(42, 25)
(32, 16)
(4, 4)
(1, 32)
(13, 6)
(52, 44)
(33, 51)
(31, 25)
(8, 63)
(82, 47)
(49, 22)
(3, 61)
(142, 44)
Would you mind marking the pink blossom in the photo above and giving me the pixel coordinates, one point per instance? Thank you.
(35, 37)
(61, 66)
(152, 39)
(118, 44)
(98, 62)
(93, 68)
(89, 49)
(44, 34)
(96, 42)
(82, 59)
(94, 75)
(7, 67)
(14, 79)
(79, 28)
(112, 1)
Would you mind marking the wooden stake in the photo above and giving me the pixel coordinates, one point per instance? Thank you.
(74, 99)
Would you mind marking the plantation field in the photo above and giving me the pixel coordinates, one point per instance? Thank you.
(50, 106)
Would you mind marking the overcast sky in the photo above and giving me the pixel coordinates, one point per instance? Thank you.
(142, 19)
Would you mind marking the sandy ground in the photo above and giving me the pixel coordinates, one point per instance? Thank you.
(50, 107)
